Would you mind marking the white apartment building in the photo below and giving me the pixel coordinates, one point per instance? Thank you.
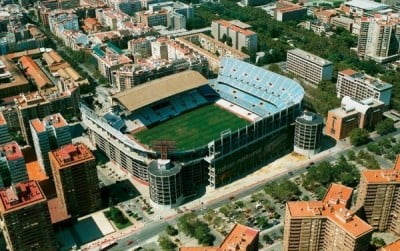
(376, 37)
(360, 86)
(308, 66)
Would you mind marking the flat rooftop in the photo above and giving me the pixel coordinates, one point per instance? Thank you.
(55, 120)
(20, 195)
(11, 151)
(366, 5)
(18, 77)
(377, 83)
(71, 155)
(150, 92)
(310, 57)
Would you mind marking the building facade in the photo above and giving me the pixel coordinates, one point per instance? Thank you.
(12, 164)
(75, 178)
(308, 66)
(308, 133)
(379, 38)
(353, 114)
(48, 134)
(5, 136)
(25, 219)
(360, 86)
(379, 198)
(239, 33)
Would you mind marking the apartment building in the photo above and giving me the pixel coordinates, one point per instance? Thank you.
(361, 86)
(379, 198)
(12, 80)
(75, 178)
(394, 246)
(308, 66)
(5, 136)
(141, 46)
(48, 134)
(326, 225)
(152, 19)
(241, 237)
(344, 22)
(353, 114)
(25, 219)
(60, 20)
(211, 49)
(286, 11)
(238, 32)
(109, 58)
(378, 38)
(12, 164)
(112, 18)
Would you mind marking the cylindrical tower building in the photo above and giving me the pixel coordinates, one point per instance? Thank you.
(165, 181)
(308, 133)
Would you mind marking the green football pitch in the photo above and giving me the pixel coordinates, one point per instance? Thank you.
(194, 128)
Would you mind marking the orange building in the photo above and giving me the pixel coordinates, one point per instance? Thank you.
(25, 218)
(75, 178)
(33, 72)
(378, 196)
(325, 225)
(241, 238)
(395, 246)
(353, 114)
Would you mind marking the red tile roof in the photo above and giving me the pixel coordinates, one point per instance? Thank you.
(33, 70)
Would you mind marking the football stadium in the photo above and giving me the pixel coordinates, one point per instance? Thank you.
(220, 129)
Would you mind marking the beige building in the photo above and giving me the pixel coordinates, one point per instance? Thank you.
(308, 66)
(378, 37)
(326, 225)
(238, 32)
(379, 196)
(360, 86)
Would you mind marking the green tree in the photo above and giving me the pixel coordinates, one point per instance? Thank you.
(166, 244)
(283, 191)
(378, 242)
(268, 239)
(359, 137)
(351, 155)
(171, 230)
(385, 126)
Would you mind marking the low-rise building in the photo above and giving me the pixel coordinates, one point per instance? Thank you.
(361, 86)
(344, 22)
(239, 33)
(353, 114)
(109, 58)
(308, 66)
(152, 19)
(112, 18)
(286, 11)
(212, 49)
(12, 80)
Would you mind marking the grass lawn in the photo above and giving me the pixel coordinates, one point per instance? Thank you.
(116, 216)
(193, 129)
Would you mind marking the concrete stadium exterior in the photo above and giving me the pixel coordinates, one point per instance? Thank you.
(274, 98)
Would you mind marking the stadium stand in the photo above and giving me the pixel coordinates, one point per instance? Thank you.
(255, 89)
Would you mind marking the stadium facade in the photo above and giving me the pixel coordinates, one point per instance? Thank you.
(270, 102)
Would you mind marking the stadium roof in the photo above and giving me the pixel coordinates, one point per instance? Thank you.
(148, 93)
(366, 4)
